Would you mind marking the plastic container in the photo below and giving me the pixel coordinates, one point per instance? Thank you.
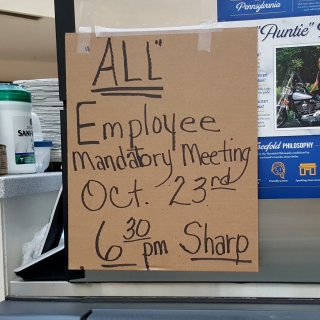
(42, 151)
(16, 131)
(37, 131)
(42, 148)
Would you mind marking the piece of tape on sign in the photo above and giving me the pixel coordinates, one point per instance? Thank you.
(204, 40)
(207, 21)
(85, 27)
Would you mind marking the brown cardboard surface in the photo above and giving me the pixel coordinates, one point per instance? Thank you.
(3, 159)
(162, 152)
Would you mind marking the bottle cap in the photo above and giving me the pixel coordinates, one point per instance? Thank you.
(43, 144)
(14, 92)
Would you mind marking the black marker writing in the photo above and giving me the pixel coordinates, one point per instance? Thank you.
(125, 64)
(113, 253)
(226, 247)
(84, 125)
(94, 196)
(109, 67)
(153, 249)
(108, 55)
(140, 127)
(139, 230)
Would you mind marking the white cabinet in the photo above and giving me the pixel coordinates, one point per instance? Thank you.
(26, 204)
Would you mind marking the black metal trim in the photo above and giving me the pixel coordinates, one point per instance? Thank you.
(70, 274)
(173, 300)
(65, 23)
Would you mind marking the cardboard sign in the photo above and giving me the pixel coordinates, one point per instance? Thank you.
(162, 152)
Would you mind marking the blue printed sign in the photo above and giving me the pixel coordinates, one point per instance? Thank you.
(289, 167)
(237, 10)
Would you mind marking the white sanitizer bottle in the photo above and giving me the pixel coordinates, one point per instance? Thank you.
(16, 131)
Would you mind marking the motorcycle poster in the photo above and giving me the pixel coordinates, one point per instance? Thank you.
(288, 106)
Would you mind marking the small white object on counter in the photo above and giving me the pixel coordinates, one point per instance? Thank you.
(42, 152)
(42, 148)
(37, 131)
(31, 250)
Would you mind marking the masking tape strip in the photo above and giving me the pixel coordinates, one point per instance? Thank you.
(204, 39)
(85, 27)
(107, 32)
(207, 19)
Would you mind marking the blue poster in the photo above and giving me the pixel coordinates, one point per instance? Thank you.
(289, 167)
(237, 10)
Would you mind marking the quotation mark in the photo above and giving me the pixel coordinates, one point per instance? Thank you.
(311, 24)
(158, 42)
(87, 49)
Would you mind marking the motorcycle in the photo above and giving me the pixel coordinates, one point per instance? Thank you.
(304, 106)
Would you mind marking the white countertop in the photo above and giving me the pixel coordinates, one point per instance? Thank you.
(24, 184)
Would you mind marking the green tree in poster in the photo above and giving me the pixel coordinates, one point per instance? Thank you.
(303, 60)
